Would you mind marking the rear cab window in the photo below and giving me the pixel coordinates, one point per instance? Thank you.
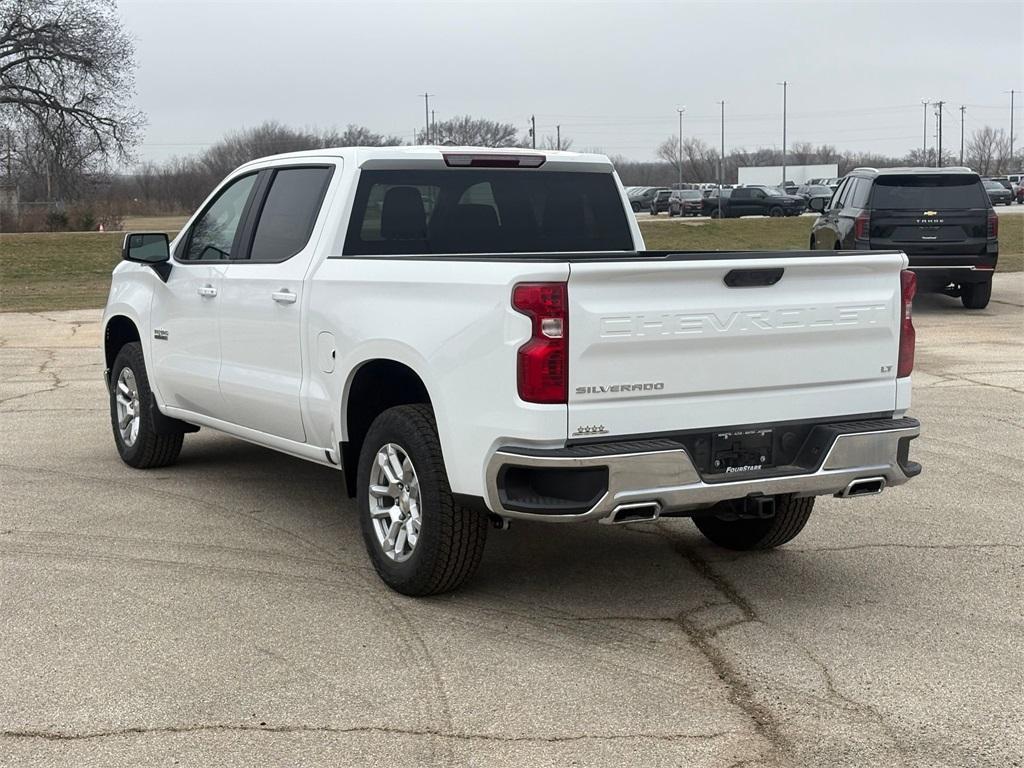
(931, 191)
(486, 211)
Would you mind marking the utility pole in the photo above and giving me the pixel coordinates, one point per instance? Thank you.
(558, 137)
(680, 111)
(426, 117)
(785, 87)
(721, 163)
(963, 109)
(924, 134)
(433, 127)
(533, 130)
(938, 116)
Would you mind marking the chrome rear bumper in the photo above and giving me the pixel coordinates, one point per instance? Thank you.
(658, 474)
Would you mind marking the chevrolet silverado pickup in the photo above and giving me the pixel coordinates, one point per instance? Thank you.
(474, 336)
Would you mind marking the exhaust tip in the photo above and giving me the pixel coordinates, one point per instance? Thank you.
(641, 512)
(865, 486)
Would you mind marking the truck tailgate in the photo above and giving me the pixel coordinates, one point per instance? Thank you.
(664, 344)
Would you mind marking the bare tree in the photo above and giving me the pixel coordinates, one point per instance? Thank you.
(987, 151)
(360, 136)
(473, 132)
(67, 72)
(552, 142)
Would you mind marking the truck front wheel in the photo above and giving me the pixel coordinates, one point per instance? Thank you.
(131, 414)
(732, 532)
(419, 540)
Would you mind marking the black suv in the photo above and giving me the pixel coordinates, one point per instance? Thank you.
(940, 217)
(659, 202)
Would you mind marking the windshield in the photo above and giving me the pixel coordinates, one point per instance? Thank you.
(406, 212)
(690, 194)
(931, 191)
(994, 185)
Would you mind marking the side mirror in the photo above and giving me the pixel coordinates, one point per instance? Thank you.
(146, 247)
(816, 204)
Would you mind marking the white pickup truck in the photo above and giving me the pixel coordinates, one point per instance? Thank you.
(477, 335)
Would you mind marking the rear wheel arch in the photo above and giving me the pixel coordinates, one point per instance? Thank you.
(375, 386)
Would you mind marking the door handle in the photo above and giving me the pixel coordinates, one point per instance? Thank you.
(206, 290)
(284, 296)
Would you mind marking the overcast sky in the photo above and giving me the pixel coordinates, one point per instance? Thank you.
(612, 74)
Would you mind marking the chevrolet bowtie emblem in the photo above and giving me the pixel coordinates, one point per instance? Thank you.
(931, 213)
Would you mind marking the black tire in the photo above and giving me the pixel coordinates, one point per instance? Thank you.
(976, 295)
(451, 538)
(714, 213)
(149, 449)
(635, 207)
(653, 211)
(790, 517)
(776, 211)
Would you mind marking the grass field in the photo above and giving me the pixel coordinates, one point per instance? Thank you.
(71, 270)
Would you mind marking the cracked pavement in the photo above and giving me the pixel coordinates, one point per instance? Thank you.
(222, 612)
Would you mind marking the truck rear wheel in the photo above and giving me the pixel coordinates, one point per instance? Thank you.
(976, 295)
(791, 515)
(419, 540)
(131, 414)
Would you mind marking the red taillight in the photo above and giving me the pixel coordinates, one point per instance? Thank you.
(908, 287)
(862, 226)
(993, 224)
(543, 362)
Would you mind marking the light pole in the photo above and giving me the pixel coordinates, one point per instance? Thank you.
(963, 110)
(938, 116)
(785, 87)
(924, 134)
(1012, 92)
(680, 111)
(721, 163)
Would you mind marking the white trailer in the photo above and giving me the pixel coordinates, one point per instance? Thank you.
(798, 174)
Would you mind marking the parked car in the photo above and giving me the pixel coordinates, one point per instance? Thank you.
(810, 191)
(640, 199)
(659, 201)
(757, 201)
(941, 218)
(716, 386)
(998, 193)
(790, 187)
(685, 202)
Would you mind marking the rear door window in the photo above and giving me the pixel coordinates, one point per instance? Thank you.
(491, 211)
(928, 192)
(289, 213)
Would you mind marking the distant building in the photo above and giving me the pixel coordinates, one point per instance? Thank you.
(798, 174)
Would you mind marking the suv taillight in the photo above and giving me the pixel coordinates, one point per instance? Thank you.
(993, 223)
(862, 226)
(543, 361)
(908, 287)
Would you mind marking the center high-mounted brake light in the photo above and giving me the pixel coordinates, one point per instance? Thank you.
(908, 336)
(467, 160)
(543, 361)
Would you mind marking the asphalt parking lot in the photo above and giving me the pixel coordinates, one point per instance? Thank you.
(222, 612)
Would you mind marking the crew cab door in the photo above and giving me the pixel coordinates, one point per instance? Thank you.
(186, 309)
(262, 304)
